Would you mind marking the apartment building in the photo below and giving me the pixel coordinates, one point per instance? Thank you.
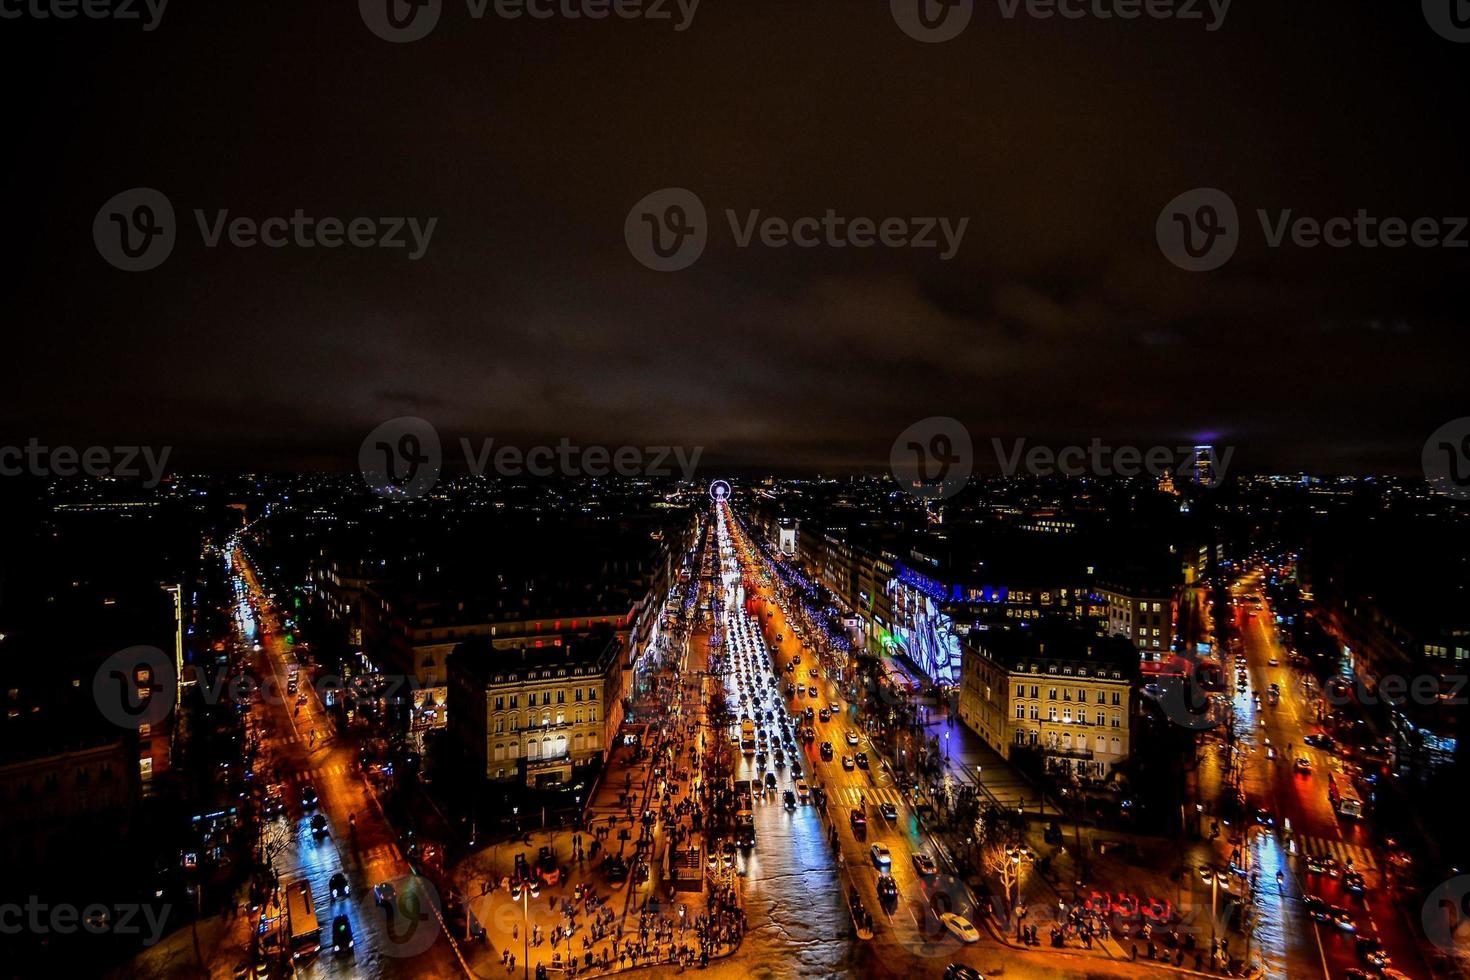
(1058, 690)
(543, 716)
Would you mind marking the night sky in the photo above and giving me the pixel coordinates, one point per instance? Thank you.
(528, 320)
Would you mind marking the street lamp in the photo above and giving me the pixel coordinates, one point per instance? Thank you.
(528, 891)
(946, 746)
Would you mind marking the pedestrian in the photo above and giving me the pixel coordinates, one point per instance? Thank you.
(1133, 953)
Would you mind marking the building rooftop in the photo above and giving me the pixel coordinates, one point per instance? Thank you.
(1056, 648)
(479, 659)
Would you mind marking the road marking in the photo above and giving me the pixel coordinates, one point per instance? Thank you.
(1361, 857)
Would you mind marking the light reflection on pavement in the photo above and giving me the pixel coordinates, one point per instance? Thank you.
(383, 945)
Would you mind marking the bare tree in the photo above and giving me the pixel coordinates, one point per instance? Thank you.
(1009, 863)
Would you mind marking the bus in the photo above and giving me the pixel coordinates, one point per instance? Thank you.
(1344, 801)
(306, 931)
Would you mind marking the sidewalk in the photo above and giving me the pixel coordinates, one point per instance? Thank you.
(646, 803)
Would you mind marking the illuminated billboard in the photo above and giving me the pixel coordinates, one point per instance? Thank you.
(921, 630)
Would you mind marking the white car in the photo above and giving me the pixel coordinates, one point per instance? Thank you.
(961, 927)
(852, 738)
(881, 857)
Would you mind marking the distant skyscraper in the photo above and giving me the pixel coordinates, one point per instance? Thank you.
(1204, 465)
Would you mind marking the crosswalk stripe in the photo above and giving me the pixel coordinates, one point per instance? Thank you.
(1361, 857)
(851, 794)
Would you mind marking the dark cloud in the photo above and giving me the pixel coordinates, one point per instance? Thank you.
(527, 319)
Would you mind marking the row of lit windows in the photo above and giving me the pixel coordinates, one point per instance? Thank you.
(561, 698)
(1441, 652)
(1034, 711)
(1051, 694)
(546, 719)
(546, 748)
(1064, 741)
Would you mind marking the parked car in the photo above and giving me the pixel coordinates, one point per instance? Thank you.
(1125, 905)
(1159, 911)
(924, 864)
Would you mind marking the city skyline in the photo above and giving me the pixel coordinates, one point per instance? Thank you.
(903, 490)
